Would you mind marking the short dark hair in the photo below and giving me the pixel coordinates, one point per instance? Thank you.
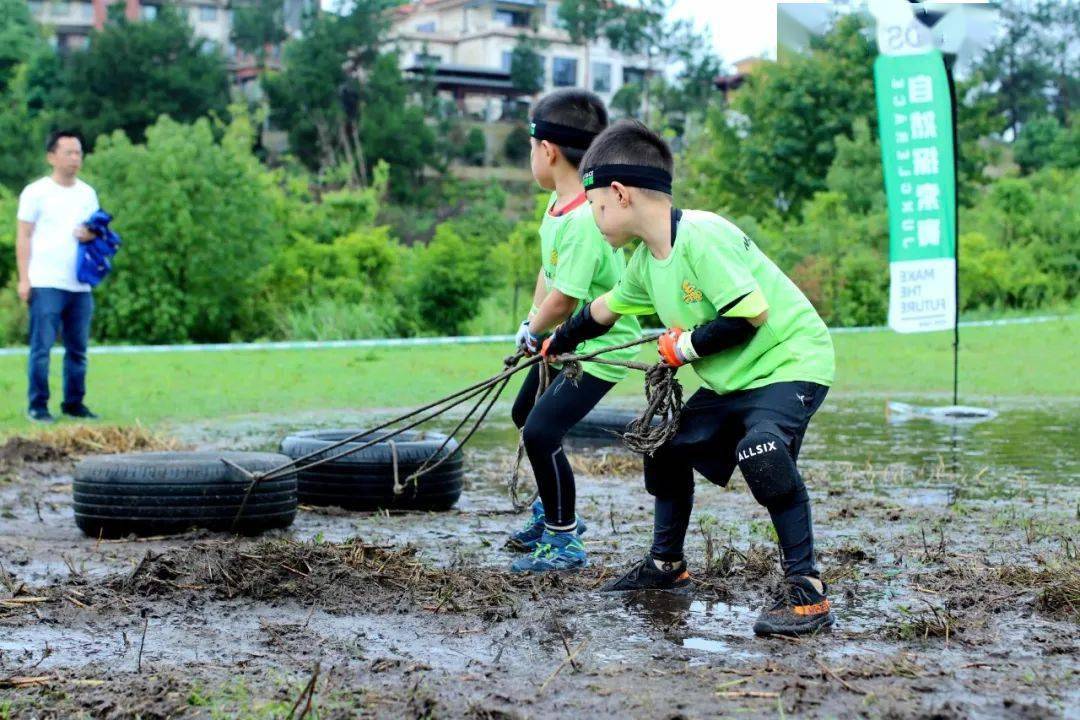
(629, 142)
(576, 108)
(55, 135)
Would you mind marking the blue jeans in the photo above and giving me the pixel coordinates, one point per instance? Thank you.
(52, 311)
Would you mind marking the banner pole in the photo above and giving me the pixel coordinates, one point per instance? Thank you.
(949, 62)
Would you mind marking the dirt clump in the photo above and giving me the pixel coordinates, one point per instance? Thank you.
(68, 442)
(18, 450)
(337, 577)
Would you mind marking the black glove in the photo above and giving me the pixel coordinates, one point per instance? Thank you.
(576, 330)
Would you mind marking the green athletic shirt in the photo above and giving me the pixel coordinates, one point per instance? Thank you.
(711, 265)
(578, 262)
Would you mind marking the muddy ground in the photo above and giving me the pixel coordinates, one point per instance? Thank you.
(957, 595)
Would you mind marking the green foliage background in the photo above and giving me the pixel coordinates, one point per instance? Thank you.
(362, 231)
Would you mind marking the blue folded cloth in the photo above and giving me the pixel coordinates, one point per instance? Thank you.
(94, 261)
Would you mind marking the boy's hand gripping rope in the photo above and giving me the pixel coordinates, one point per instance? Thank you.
(662, 392)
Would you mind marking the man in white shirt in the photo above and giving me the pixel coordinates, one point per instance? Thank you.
(52, 213)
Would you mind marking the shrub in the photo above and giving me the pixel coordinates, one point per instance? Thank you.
(14, 320)
(475, 147)
(516, 148)
(451, 276)
(8, 208)
(195, 215)
(333, 319)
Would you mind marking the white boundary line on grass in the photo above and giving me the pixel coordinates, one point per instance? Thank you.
(425, 341)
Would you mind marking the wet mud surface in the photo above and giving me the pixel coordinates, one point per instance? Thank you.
(956, 584)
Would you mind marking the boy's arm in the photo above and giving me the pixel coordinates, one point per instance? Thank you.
(594, 320)
(539, 293)
(602, 313)
(525, 339)
(734, 325)
(554, 309)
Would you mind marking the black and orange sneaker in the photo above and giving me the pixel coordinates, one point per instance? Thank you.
(646, 576)
(798, 609)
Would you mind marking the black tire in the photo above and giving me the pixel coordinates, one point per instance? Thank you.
(603, 426)
(161, 493)
(365, 480)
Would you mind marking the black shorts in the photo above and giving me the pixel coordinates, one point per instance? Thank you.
(712, 425)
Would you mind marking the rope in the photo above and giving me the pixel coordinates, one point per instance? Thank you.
(399, 487)
(663, 394)
(515, 476)
(662, 391)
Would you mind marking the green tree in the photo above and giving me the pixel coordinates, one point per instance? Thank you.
(344, 105)
(197, 222)
(627, 100)
(645, 30)
(393, 130)
(475, 147)
(527, 65)
(694, 90)
(516, 147)
(257, 26)
(1033, 68)
(1062, 47)
(856, 170)
(517, 257)
(19, 39)
(584, 21)
(20, 135)
(133, 73)
(450, 278)
(21, 142)
(774, 151)
(862, 296)
(1038, 144)
(9, 204)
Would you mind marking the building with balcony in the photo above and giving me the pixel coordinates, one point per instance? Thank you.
(70, 22)
(466, 46)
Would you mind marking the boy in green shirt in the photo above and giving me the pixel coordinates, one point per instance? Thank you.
(578, 265)
(764, 354)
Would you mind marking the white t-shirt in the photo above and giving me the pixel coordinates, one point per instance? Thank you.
(56, 211)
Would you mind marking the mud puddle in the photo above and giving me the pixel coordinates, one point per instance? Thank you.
(955, 587)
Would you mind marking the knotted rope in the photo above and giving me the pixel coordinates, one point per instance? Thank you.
(663, 395)
(662, 392)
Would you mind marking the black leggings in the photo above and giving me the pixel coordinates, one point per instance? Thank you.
(545, 423)
(761, 431)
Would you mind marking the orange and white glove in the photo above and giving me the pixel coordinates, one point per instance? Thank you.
(676, 348)
(545, 348)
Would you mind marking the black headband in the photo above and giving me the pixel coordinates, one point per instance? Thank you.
(563, 135)
(639, 176)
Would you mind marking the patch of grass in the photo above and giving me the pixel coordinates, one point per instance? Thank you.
(1058, 587)
(234, 700)
(90, 439)
(1012, 360)
(606, 463)
(69, 441)
(933, 622)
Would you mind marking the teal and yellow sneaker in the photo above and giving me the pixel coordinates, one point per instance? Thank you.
(555, 551)
(526, 539)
